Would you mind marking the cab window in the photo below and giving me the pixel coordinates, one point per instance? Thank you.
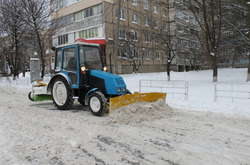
(90, 57)
(69, 61)
(58, 61)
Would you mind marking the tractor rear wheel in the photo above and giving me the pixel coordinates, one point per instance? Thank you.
(97, 103)
(62, 94)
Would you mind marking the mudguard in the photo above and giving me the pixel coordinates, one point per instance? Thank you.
(61, 74)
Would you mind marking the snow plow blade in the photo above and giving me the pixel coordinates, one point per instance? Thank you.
(121, 101)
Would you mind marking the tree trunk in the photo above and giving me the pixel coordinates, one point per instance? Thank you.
(168, 70)
(23, 71)
(248, 70)
(215, 70)
(16, 59)
(40, 51)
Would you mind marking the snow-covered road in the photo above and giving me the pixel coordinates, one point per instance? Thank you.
(37, 133)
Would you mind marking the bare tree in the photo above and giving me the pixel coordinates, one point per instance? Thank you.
(246, 37)
(164, 36)
(35, 14)
(132, 51)
(208, 14)
(12, 29)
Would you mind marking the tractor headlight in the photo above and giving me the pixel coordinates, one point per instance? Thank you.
(105, 69)
(83, 68)
(118, 90)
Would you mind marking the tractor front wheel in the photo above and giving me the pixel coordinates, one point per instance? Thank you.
(97, 104)
(62, 94)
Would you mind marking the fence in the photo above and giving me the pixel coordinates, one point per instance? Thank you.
(170, 87)
(232, 91)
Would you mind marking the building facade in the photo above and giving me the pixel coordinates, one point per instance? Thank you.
(135, 31)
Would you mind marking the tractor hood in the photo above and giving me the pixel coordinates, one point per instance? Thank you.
(113, 84)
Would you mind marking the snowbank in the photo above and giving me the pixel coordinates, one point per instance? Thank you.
(21, 83)
(141, 112)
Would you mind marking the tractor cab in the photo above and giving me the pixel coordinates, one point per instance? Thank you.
(74, 61)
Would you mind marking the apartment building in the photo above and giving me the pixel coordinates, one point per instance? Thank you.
(133, 41)
(234, 50)
(184, 31)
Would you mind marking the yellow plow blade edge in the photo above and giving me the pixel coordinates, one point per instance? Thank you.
(121, 101)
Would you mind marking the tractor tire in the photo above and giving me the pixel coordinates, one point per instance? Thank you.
(97, 104)
(62, 94)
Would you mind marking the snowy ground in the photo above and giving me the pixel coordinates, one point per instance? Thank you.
(37, 133)
(201, 90)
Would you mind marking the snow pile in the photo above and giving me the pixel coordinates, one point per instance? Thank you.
(21, 82)
(140, 112)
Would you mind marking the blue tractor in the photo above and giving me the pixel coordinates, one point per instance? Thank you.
(80, 74)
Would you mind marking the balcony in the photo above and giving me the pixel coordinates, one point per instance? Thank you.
(87, 22)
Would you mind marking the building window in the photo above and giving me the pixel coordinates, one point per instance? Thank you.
(122, 34)
(156, 24)
(165, 27)
(134, 35)
(157, 55)
(88, 12)
(147, 53)
(146, 4)
(122, 14)
(122, 52)
(146, 21)
(79, 16)
(95, 10)
(63, 39)
(164, 13)
(147, 37)
(135, 2)
(89, 33)
(60, 4)
(155, 8)
(135, 18)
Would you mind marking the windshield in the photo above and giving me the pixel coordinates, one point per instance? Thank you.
(90, 57)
